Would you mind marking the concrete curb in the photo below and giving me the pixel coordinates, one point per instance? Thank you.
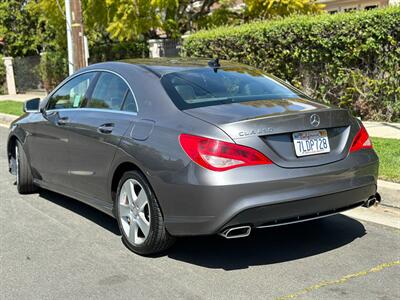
(382, 215)
(390, 193)
(6, 119)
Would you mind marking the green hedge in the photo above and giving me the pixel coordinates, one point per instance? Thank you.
(350, 59)
(118, 51)
(53, 69)
(53, 66)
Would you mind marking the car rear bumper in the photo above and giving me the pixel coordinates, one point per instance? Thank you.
(302, 210)
(201, 202)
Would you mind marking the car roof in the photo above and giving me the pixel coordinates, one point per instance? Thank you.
(165, 65)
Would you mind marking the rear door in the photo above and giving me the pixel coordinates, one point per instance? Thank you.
(96, 131)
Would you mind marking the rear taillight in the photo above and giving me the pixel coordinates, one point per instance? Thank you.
(218, 155)
(361, 140)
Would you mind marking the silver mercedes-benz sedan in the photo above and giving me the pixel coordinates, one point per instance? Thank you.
(178, 147)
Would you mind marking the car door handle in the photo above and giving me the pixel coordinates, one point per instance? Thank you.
(106, 128)
(62, 121)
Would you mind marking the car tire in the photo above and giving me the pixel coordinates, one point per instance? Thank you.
(141, 223)
(24, 176)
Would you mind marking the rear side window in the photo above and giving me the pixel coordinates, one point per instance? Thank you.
(109, 92)
(206, 86)
(71, 94)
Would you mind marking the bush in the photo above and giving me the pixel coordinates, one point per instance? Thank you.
(118, 51)
(26, 73)
(53, 66)
(2, 76)
(351, 60)
(53, 69)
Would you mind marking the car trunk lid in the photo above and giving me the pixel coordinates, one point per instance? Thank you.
(268, 126)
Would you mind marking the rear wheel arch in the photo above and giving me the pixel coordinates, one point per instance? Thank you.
(119, 171)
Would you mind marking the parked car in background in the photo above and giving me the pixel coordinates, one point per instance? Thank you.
(181, 147)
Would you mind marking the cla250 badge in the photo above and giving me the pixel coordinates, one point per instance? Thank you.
(258, 131)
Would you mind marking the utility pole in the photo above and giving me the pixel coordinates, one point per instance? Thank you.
(77, 37)
(69, 37)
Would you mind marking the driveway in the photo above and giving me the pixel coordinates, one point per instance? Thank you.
(54, 247)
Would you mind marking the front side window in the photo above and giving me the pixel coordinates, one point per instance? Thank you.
(206, 86)
(109, 92)
(71, 94)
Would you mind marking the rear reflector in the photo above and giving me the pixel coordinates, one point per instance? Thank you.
(361, 140)
(218, 155)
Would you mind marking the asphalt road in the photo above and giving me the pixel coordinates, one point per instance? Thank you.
(54, 247)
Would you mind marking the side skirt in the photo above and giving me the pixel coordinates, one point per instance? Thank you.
(100, 205)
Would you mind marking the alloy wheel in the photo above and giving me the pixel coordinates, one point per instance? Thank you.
(134, 211)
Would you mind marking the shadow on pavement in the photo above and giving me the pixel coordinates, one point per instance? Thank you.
(83, 210)
(270, 245)
(262, 247)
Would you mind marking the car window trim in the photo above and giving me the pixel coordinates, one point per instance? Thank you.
(66, 80)
(92, 109)
(89, 91)
(124, 100)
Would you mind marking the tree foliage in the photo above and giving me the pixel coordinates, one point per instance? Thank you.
(152, 18)
(19, 28)
(39, 25)
(127, 20)
(265, 9)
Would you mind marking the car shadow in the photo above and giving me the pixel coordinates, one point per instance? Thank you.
(262, 247)
(269, 245)
(82, 209)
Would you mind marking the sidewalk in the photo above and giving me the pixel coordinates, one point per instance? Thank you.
(390, 193)
(383, 129)
(23, 97)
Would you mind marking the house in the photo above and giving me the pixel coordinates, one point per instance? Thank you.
(334, 6)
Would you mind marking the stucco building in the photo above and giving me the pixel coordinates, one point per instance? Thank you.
(334, 6)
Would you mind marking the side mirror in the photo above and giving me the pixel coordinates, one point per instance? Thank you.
(32, 105)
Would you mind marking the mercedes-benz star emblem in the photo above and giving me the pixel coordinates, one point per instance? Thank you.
(315, 120)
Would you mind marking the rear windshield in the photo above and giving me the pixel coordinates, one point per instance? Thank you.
(206, 86)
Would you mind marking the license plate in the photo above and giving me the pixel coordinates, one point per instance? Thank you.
(311, 142)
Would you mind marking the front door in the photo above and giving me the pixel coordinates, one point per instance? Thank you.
(49, 143)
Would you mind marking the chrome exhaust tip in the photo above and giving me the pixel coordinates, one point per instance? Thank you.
(236, 232)
(369, 203)
(375, 199)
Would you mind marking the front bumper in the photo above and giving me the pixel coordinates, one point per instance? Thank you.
(196, 201)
